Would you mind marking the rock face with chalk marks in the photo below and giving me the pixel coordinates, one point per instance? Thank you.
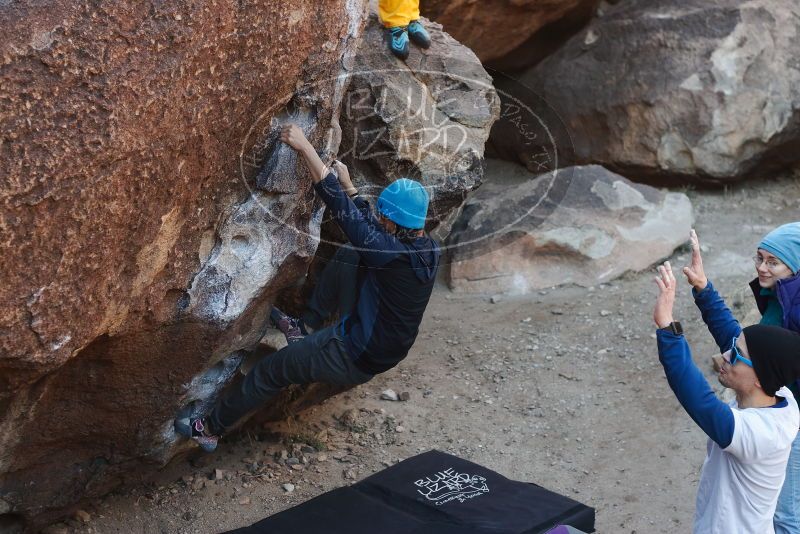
(137, 250)
(426, 118)
(142, 245)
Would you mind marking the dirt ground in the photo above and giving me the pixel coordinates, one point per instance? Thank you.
(561, 387)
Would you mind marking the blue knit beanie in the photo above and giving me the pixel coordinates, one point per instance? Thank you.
(784, 243)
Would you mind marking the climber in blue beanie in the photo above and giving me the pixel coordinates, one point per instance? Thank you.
(378, 286)
(777, 294)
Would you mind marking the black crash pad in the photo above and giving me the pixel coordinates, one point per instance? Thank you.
(431, 493)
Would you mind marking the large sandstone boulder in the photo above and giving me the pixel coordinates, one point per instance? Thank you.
(579, 225)
(427, 118)
(493, 28)
(137, 252)
(150, 219)
(695, 89)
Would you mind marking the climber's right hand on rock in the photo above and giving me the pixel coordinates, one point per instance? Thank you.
(292, 135)
(343, 174)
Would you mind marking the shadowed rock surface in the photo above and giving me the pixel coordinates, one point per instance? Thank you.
(581, 225)
(493, 28)
(701, 91)
(150, 218)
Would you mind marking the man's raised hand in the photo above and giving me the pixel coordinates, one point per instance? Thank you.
(666, 283)
(695, 273)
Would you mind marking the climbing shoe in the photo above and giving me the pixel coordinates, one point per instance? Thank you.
(195, 429)
(398, 41)
(292, 328)
(419, 36)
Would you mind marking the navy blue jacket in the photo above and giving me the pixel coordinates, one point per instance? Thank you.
(395, 290)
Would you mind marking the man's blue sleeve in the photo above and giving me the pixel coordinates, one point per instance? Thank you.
(375, 246)
(719, 319)
(713, 416)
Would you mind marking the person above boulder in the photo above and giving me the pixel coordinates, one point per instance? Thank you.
(401, 19)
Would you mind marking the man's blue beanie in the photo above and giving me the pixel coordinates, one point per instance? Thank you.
(784, 243)
(405, 202)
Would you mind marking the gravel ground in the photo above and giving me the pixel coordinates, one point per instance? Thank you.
(561, 387)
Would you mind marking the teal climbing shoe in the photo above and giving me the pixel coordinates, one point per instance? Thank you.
(419, 36)
(398, 42)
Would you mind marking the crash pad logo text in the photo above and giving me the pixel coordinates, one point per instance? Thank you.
(449, 485)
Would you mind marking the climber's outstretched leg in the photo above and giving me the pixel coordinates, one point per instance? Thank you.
(318, 357)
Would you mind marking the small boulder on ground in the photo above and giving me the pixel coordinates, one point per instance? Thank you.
(580, 225)
(390, 395)
(349, 417)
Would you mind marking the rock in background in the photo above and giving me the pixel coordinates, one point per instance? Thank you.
(579, 225)
(694, 90)
(495, 28)
(136, 250)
